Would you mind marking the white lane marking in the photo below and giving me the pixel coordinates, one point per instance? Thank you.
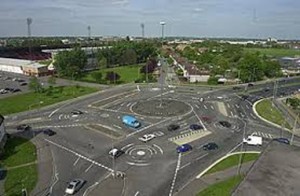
(212, 107)
(175, 175)
(60, 116)
(252, 116)
(76, 161)
(185, 165)
(127, 146)
(197, 106)
(247, 106)
(160, 149)
(234, 148)
(79, 155)
(231, 113)
(53, 112)
(89, 168)
(117, 126)
(199, 119)
(55, 174)
(138, 87)
(237, 106)
(95, 184)
(228, 105)
(201, 156)
(128, 104)
(123, 104)
(137, 193)
(205, 107)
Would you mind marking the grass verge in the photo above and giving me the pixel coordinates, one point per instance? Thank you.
(270, 113)
(127, 74)
(27, 101)
(231, 161)
(223, 188)
(17, 152)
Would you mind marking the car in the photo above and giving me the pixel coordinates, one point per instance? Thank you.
(23, 127)
(130, 121)
(74, 186)
(244, 97)
(195, 127)
(184, 148)
(23, 84)
(115, 153)
(210, 146)
(253, 140)
(201, 99)
(49, 132)
(267, 89)
(282, 140)
(147, 137)
(76, 112)
(225, 124)
(173, 127)
(3, 91)
(16, 90)
(250, 84)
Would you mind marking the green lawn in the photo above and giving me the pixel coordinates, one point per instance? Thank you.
(128, 73)
(223, 188)
(267, 111)
(16, 179)
(232, 161)
(26, 101)
(18, 151)
(274, 51)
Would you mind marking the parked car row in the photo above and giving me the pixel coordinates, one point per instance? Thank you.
(11, 90)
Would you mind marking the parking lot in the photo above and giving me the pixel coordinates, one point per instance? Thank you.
(11, 84)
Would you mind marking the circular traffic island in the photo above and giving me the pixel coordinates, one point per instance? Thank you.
(161, 108)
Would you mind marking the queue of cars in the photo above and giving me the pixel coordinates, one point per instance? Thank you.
(4, 89)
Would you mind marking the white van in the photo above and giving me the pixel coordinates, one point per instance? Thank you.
(253, 140)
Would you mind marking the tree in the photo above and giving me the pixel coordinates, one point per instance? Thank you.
(271, 68)
(250, 67)
(102, 62)
(97, 76)
(112, 77)
(70, 63)
(35, 85)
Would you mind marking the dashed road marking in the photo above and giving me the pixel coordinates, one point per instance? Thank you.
(89, 168)
(117, 126)
(185, 165)
(212, 107)
(247, 106)
(205, 107)
(197, 106)
(202, 156)
(175, 175)
(237, 106)
(76, 161)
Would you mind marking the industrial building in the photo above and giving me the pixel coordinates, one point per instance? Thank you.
(25, 67)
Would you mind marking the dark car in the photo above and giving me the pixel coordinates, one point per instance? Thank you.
(244, 97)
(49, 132)
(23, 127)
(16, 90)
(23, 84)
(225, 124)
(195, 127)
(210, 146)
(173, 127)
(250, 84)
(282, 140)
(184, 148)
(76, 112)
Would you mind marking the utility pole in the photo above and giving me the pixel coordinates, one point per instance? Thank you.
(294, 129)
(143, 30)
(161, 63)
(29, 22)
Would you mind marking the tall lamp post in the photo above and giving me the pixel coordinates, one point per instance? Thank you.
(161, 65)
(29, 22)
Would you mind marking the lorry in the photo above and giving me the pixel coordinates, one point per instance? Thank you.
(131, 121)
(253, 140)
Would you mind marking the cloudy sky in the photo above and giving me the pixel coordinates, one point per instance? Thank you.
(200, 18)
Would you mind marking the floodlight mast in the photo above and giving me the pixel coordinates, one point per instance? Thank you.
(29, 22)
(162, 23)
(143, 30)
(89, 31)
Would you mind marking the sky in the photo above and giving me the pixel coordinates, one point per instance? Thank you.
(198, 18)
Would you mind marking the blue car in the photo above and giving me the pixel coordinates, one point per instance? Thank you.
(131, 121)
(195, 127)
(282, 140)
(184, 148)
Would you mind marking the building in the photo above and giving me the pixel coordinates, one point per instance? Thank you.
(290, 65)
(25, 67)
(3, 135)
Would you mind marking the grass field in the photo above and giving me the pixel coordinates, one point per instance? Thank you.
(19, 151)
(223, 188)
(232, 161)
(128, 73)
(26, 101)
(268, 112)
(274, 52)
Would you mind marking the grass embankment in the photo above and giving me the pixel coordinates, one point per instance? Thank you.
(27, 101)
(17, 152)
(127, 74)
(266, 110)
(223, 188)
(233, 160)
(276, 52)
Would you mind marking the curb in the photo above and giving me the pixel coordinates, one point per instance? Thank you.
(265, 120)
(222, 158)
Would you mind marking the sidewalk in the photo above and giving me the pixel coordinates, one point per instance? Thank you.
(198, 185)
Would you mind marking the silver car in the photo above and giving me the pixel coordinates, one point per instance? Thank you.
(74, 186)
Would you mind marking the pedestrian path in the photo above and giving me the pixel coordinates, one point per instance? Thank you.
(264, 135)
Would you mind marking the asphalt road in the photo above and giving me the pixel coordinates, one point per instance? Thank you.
(80, 147)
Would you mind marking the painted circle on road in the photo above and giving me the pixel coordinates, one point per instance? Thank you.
(141, 153)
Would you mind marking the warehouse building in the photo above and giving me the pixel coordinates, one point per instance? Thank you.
(25, 67)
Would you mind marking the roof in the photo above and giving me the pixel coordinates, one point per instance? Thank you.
(276, 172)
(129, 118)
(20, 63)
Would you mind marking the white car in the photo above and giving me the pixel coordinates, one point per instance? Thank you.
(253, 140)
(147, 137)
(74, 186)
(115, 153)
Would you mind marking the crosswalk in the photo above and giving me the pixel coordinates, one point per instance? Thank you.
(264, 135)
(190, 133)
(158, 133)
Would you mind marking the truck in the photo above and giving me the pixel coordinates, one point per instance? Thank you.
(253, 140)
(131, 121)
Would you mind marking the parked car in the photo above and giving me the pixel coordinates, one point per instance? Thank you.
(23, 127)
(76, 112)
(282, 140)
(210, 146)
(184, 148)
(74, 186)
(131, 121)
(250, 84)
(253, 140)
(16, 90)
(115, 153)
(225, 124)
(23, 84)
(173, 127)
(195, 127)
(49, 132)
(147, 137)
